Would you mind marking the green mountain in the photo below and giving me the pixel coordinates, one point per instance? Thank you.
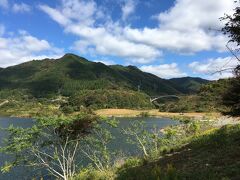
(209, 98)
(188, 85)
(71, 73)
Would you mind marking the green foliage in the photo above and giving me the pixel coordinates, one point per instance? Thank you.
(194, 127)
(208, 99)
(71, 73)
(188, 85)
(132, 162)
(97, 99)
(206, 150)
(174, 144)
(51, 143)
(148, 172)
(144, 114)
(21, 103)
(183, 119)
(93, 174)
(96, 146)
(86, 83)
(147, 142)
(231, 98)
(232, 25)
(210, 155)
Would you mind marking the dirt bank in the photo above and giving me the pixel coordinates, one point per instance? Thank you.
(153, 112)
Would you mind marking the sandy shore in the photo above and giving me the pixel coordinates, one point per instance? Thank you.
(153, 112)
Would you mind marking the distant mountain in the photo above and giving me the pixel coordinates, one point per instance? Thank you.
(72, 73)
(188, 85)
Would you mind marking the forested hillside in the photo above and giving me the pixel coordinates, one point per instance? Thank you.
(73, 82)
(72, 73)
(208, 99)
(188, 84)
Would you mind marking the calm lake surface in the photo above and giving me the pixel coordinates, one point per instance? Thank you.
(21, 173)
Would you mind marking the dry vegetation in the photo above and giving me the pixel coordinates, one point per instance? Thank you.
(152, 112)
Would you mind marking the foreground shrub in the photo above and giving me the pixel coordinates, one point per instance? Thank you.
(52, 144)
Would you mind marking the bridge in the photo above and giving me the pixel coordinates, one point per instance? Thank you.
(4, 102)
(154, 98)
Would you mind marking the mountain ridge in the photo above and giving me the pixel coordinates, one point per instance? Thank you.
(49, 76)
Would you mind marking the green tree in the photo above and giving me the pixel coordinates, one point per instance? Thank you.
(52, 143)
(147, 141)
(232, 98)
(96, 146)
(232, 29)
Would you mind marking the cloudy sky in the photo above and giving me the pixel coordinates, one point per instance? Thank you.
(169, 38)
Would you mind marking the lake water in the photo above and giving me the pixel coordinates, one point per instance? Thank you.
(21, 173)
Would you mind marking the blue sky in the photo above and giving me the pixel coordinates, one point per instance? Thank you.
(167, 38)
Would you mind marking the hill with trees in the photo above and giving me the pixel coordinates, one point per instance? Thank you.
(72, 82)
(188, 85)
(208, 99)
(72, 73)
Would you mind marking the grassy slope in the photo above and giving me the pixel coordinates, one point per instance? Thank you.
(212, 155)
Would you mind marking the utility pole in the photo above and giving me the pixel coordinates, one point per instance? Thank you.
(139, 86)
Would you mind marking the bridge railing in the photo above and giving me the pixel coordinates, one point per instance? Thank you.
(154, 98)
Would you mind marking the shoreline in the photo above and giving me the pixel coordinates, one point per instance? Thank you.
(135, 113)
(218, 119)
(152, 113)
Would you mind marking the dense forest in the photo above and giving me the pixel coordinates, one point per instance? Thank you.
(72, 73)
(209, 98)
(72, 82)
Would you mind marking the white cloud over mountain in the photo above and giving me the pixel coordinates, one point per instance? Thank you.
(103, 39)
(107, 62)
(188, 27)
(23, 47)
(215, 68)
(164, 71)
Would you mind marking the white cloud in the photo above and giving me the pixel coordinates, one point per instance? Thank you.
(215, 68)
(182, 42)
(128, 8)
(107, 44)
(15, 7)
(186, 28)
(106, 62)
(21, 8)
(24, 47)
(55, 15)
(4, 4)
(104, 39)
(164, 70)
(189, 14)
(80, 12)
